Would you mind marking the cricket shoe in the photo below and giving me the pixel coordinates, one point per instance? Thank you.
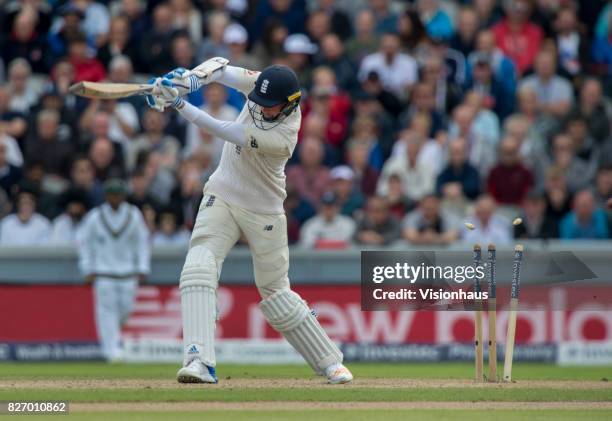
(338, 374)
(197, 372)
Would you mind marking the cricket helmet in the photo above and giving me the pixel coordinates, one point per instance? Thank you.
(275, 85)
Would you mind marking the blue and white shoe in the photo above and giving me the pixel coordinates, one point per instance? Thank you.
(338, 374)
(197, 372)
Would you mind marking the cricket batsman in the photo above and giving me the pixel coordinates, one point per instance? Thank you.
(245, 194)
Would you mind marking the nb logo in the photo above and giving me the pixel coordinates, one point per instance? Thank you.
(264, 86)
(253, 142)
(268, 227)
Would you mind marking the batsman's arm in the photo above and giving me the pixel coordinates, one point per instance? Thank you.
(230, 131)
(238, 78)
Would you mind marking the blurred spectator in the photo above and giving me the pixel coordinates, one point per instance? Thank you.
(215, 97)
(236, 38)
(348, 196)
(12, 123)
(417, 177)
(586, 220)
(447, 93)
(578, 172)
(134, 11)
(488, 226)
(603, 186)
(432, 152)
(97, 20)
(365, 40)
(25, 227)
(49, 147)
(23, 94)
(601, 51)
(340, 21)
(536, 223)
(83, 177)
(584, 145)
(105, 161)
(375, 99)
(399, 203)
(412, 31)
(187, 194)
(298, 210)
(86, 68)
(509, 181)
(437, 22)
(423, 100)
(516, 36)
(10, 175)
(459, 177)
(65, 30)
(120, 42)
(13, 152)
(428, 225)
(558, 197)
(160, 179)
(365, 131)
(139, 187)
(397, 70)
(66, 228)
(271, 45)
(386, 20)
(310, 178)
(486, 121)
(318, 24)
(464, 39)
(291, 13)
(366, 176)
(595, 108)
(187, 18)
(110, 118)
(329, 228)
(155, 44)
(573, 49)
(170, 231)
(333, 55)
(25, 42)
(555, 94)
(213, 45)
(154, 139)
(377, 227)
(299, 51)
(496, 94)
(503, 67)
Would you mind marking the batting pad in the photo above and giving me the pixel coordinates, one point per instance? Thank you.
(199, 305)
(288, 314)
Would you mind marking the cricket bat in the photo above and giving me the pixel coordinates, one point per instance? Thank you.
(514, 297)
(478, 345)
(492, 304)
(103, 90)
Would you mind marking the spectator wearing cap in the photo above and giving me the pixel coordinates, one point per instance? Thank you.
(503, 67)
(377, 227)
(555, 93)
(340, 21)
(437, 22)
(489, 227)
(418, 177)
(300, 50)
(510, 180)
(329, 228)
(516, 36)
(386, 19)
(86, 68)
(156, 42)
(66, 228)
(536, 223)
(347, 193)
(365, 41)
(333, 55)
(22, 92)
(397, 71)
(459, 177)
(236, 38)
(25, 42)
(170, 231)
(586, 220)
(496, 94)
(310, 178)
(25, 227)
(10, 175)
(64, 30)
(365, 175)
(428, 225)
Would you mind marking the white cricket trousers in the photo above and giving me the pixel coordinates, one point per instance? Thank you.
(114, 301)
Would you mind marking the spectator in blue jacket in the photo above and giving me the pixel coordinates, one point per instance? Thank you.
(459, 172)
(586, 220)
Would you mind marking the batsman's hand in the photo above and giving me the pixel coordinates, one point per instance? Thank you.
(164, 95)
(183, 80)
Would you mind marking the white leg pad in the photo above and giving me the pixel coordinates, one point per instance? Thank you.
(199, 280)
(289, 315)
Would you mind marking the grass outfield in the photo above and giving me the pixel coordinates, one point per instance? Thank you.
(441, 391)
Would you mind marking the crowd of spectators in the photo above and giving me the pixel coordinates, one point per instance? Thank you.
(417, 115)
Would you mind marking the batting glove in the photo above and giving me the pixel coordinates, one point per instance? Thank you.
(184, 80)
(164, 94)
